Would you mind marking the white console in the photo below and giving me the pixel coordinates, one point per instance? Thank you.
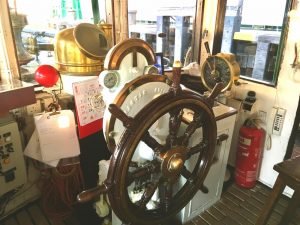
(225, 117)
(12, 164)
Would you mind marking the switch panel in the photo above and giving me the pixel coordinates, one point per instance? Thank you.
(12, 164)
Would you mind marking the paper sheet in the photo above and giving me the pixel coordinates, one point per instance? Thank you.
(33, 150)
(57, 135)
(88, 99)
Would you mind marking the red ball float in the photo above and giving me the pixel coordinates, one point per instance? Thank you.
(46, 75)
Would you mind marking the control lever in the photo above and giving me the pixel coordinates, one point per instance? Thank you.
(214, 93)
(212, 65)
(207, 48)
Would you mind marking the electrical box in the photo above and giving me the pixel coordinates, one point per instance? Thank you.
(12, 164)
(276, 120)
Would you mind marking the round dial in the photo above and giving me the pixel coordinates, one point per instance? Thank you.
(220, 68)
(151, 70)
(97, 102)
(110, 79)
(216, 69)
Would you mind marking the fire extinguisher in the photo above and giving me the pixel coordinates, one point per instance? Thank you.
(248, 157)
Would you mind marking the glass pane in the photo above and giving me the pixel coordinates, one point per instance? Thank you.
(167, 25)
(35, 24)
(254, 36)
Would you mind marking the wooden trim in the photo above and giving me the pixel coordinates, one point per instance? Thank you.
(197, 29)
(110, 18)
(219, 26)
(9, 43)
(291, 143)
(231, 112)
(294, 4)
(120, 13)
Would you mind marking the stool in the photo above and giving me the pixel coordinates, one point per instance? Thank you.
(289, 174)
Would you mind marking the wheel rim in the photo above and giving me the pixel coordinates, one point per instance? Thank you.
(110, 119)
(170, 166)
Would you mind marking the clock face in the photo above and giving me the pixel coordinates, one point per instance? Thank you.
(111, 79)
(97, 102)
(216, 69)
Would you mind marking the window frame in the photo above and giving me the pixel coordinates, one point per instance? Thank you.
(217, 41)
(9, 46)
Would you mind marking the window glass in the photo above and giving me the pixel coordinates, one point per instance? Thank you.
(252, 31)
(35, 24)
(167, 25)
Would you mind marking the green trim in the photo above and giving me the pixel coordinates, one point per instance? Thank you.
(96, 14)
(63, 9)
(77, 8)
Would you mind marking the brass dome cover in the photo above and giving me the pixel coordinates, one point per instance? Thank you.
(91, 40)
(80, 50)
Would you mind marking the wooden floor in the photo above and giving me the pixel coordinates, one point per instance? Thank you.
(32, 214)
(239, 206)
(236, 207)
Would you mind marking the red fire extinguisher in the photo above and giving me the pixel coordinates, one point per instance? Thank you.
(248, 157)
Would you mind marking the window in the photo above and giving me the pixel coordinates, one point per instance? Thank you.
(34, 30)
(167, 27)
(253, 31)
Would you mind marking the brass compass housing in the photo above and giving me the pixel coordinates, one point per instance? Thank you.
(220, 67)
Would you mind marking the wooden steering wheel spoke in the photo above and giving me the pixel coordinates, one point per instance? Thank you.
(197, 148)
(174, 125)
(127, 121)
(192, 127)
(186, 174)
(148, 194)
(143, 172)
(165, 192)
(152, 143)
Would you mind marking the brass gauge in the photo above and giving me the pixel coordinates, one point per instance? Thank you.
(109, 79)
(151, 70)
(220, 68)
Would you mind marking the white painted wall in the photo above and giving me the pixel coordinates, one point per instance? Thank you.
(285, 95)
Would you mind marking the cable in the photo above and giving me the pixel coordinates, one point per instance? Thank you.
(7, 197)
(59, 188)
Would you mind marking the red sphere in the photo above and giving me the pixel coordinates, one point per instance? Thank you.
(46, 75)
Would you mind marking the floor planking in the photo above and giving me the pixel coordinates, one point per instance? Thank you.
(237, 206)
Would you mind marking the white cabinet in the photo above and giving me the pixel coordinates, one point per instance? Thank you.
(215, 178)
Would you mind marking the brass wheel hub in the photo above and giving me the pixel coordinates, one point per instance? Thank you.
(172, 162)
